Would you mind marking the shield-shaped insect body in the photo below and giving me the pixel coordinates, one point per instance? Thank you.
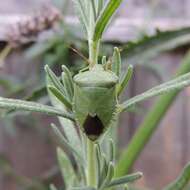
(95, 100)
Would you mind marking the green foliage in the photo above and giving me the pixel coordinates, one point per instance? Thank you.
(60, 97)
(67, 145)
(178, 83)
(149, 125)
(91, 98)
(68, 82)
(116, 59)
(95, 17)
(7, 103)
(104, 18)
(67, 126)
(37, 94)
(54, 80)
(105, 168)
(182, 181)
(125, 80)
(82, 13)
(66, 165)
(141, 51)
(126, 179)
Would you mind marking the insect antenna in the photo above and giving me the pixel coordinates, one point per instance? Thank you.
(80, 54)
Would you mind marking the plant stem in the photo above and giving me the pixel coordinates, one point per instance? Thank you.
(91, 164)
(91, 157)
(93, 52)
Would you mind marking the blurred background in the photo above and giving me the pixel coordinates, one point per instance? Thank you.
(27, 145)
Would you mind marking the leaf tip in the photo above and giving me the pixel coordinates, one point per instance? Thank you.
(131, 67)
(46, 68)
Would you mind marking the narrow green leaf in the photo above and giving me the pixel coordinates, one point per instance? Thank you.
(125, 179)
(98, 162)
(66, 70)
(109, 176)
(104, 60)
(34, 96)
(54, 80)
(111, 151)
(60, 97)
(100, 6)
(37, 94)
(102, 166)
(104, 170)
(66, 167)
(176, 84)
(93, 8)
(104, 18)
(149, 125)
(110, 173)
(6, 103)
(70, 131)
(68, 82)
(67, 125)
(87, 8)
(116, 65)
(181, 182)
(67, 144)
(82, 14)
(125, 80)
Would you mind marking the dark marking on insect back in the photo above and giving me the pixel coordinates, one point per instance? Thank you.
(93, 127)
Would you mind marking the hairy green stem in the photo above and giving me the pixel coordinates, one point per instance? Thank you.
(149, 125)
(93, 52)
(91, 164)
(91, 157)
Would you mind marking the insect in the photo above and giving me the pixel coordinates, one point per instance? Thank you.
(95, 100)
(92, 94)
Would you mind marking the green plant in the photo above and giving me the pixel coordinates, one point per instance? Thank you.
(149, 125)
(90, 100)
(182, 181)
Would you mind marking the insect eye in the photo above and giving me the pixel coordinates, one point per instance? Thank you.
(93, 127)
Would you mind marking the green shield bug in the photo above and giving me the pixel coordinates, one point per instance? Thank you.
(95, 100)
